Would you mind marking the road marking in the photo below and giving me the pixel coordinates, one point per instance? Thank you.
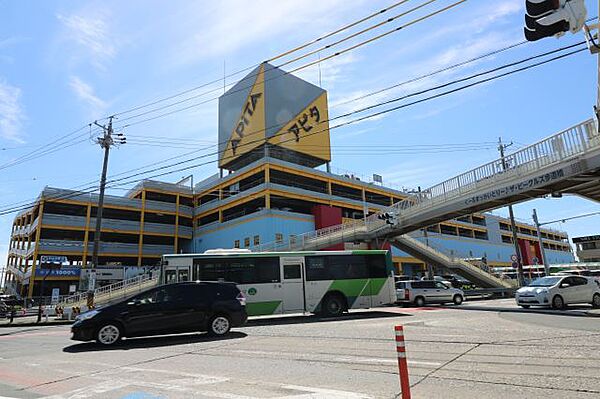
(344, 359)
(322, 393)
(424, 363)
(32, 334)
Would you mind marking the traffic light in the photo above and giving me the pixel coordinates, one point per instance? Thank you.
(547, 18)
(389, 217)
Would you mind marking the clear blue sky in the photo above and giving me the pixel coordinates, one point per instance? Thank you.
(65, 63)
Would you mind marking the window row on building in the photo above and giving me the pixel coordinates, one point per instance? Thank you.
(530, 231)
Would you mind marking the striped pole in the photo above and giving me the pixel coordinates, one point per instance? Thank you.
(402, 365)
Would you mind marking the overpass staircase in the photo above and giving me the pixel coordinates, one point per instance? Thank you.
(110, 293)
(478, 273)
(566, 162)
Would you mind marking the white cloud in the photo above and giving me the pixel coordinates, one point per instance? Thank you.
(234, 25)
(92, 35)
(85, 93)
(495, 12)
(11, 112)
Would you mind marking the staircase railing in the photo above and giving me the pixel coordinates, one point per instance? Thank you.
(114, 291)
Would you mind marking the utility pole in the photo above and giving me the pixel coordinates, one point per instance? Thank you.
(513, 227)
(429, 266)
(542, 251)
(105, 142)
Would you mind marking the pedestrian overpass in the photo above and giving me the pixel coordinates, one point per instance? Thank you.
(567, 162)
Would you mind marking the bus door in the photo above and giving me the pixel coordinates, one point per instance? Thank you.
(292, 280)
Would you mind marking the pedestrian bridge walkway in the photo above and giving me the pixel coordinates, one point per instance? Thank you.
(566, 162)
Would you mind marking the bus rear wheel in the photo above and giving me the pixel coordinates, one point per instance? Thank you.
(333, 305)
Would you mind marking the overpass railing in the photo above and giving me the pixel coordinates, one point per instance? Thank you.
(554, 150)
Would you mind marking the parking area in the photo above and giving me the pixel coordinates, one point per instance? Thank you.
(486, 348)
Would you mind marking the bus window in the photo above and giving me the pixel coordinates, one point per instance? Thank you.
(336, 267)
(377, 266)
(316, 268)
(348, 267)
(239, 270)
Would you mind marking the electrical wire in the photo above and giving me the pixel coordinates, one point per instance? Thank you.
(57, 145)
(428, 90)
(283, 54)
(470, 77)
(284, 73)
(356, 34)
(346, 123)
(44, 149)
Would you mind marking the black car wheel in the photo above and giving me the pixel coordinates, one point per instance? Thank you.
(419, 301)
(109, 334)
(558, 302)
(219, 325)
(596, 301)
(458, 299)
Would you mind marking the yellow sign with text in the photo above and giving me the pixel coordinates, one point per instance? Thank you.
(307, 132)
(249, 132)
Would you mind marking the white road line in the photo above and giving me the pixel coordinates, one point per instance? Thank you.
(315, 393)
(355, 359)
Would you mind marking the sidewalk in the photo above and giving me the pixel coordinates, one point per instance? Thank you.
(31, 320)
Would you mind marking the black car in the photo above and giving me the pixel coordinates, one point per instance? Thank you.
(168, 309)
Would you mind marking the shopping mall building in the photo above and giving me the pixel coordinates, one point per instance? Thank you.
(274, 182)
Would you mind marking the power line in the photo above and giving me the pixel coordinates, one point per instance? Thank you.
(283, 54)
(563, 220)
(438, 87)
(436, 72)
(470, 77)
(318, 131)
(466, 86)
(285, 73)
(356, 34)
(44, 149)
(56, 145)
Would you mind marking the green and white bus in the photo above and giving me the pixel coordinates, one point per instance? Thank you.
(325, 282)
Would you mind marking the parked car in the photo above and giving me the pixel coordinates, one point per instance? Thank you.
(559, 291)
(421, 292)
(174, 308)
(595, 274)
(10, 300)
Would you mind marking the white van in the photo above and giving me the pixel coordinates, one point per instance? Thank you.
(428, 291)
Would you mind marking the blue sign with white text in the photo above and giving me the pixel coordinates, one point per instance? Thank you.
(63, 272)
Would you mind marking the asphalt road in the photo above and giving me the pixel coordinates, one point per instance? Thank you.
(483, 349)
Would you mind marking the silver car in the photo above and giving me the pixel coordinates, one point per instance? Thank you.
(428, 291)
(559, 291)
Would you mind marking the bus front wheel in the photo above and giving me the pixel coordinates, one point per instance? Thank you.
(333, 305)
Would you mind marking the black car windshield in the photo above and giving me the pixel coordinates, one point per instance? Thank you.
(544, 281)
